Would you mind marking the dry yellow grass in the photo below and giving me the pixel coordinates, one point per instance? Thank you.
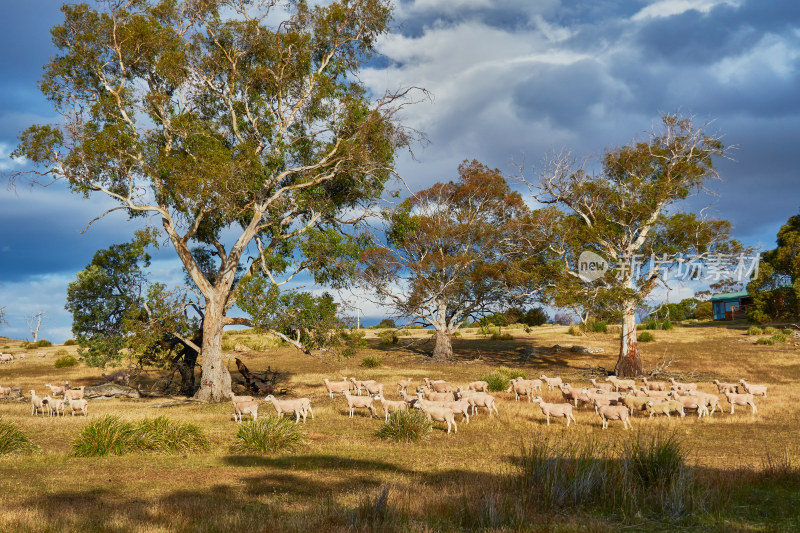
(335, 481)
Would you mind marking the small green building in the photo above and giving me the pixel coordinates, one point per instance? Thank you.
(730, 305)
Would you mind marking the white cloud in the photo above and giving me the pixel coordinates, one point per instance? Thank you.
(6, 161)
(772, 54)
(669, 8)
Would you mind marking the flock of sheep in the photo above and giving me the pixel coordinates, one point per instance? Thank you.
(51, 405)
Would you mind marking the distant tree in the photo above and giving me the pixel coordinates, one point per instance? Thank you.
(776, 289)
(627, 209)
(3, 320)
(703, 311)
(387, 323)
(240, 125)
(34, 322)
(562, 319)
(444, 257)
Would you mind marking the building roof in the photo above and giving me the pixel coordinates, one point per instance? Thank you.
(728, 296)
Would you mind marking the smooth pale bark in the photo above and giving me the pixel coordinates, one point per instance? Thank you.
(215, 382)
(443, 349)
(630, 362)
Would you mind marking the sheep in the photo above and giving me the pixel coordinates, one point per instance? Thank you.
(521, 387)
(391, 406)
(480, 386)
(658, 395)
(74, 394)
(439, 385)
(665, 408)
(118, 377)
(79, 406)
(482, 399)
(552, 383)
(5, 391)
(555, 409)
(54, 405)
(21, 356)
(621, 383)
(694, 402)
(755, 390)
(240, 408)
(655, 385)
(682, 386)
(635, 403)
(723, 387)
(374, 388)
(335, 386)
(457, 406)
(408, 399)
(37, 403)
(465, 394)
(574, 395)
(614, 412)
(598, 397)
(58, 390)
(42, 354)
(359, 402)
(403, 385)
(604, 386)
(712, 400)
(437, 396)
(741, 399)
(300, 407)
(239, 399)
(6, 358)
(439, 414)
(358, 386)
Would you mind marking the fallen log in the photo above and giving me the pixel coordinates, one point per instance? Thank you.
(110, 390)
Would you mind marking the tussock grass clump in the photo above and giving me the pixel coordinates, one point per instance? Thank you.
(372, 361)
(779, 337)
(575, 330)
(389, 336)
(111, 435)
(500, 379)
(769, 330)
(268, 435)
(65, 361)
(646, 336)
(593, 326)
(654, 323)
(501, 337)
(767, 341)
(755, 330)
(406, 426)
(70, 342)
(13, 441)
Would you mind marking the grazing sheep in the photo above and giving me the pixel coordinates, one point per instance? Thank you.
(552, 383)
(439, 385)
(636, 403)
(439, 414)
(712, 401)
(658, 395)
(437, 396)
(248, 408)
(741, 399)
(614, 412)
(604, 386)
(694, 402)
(6, 358)
(404, 384)
(299, 406)
(335, 386)
(574, 395)
(58, 390)
(74, 394)
(410, 400)
(391, 406)
(482, 399)
(755, 390)
(359, 402)
(520, 387)
(683, 386)
(665, 408)
(457, 406)
(599, 397)
(562, 410)
(621, 383)
(358, 386)
(480, 386)
(655, 385)
(5, 391)
(726, 387)
(37, 403)
(41, 354)
(81, 406)
(374, 388)
(238, 399)
(54, 405)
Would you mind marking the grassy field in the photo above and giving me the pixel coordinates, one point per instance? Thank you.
(344, 478)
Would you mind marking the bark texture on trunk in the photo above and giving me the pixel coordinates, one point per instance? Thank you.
(215, 382)
(629, 363)
(443, 349)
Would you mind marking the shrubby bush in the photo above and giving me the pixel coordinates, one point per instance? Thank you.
(66, 361)
(268, 435)
(410, 425)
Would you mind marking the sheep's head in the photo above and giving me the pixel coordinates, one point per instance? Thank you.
(269, 398)
(378, 397)
(741, 381)
(650, 403)
(537, 399)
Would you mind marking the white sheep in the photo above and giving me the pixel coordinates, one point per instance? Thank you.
(404, 384)
(621, 383)
(37, 403)
(462, 407)
(561, 410)
(574, 395)
(81, 406)
(480, 386)
(521, 387)
(482, 399)
(665, 408)
(723, 387)
(54, 405)
(682, 386)
(437, 396)
(694, 402)
(712, 400)
(374, 388)
(359, 402)
(604, 386)
(335, 386)
(298, 406)
(741, 399)
(57, 390)
(409, 399)
(658, 395)
(74, 394)
(636, 403)
(552, 383)
(655, 385)
(439, 385)
(755, 390)
(359, 386)
(6, 358)
(614, 412)
(439, 414)
(247, 408)
(391, 406)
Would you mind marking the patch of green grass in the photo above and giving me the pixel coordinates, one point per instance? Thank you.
(501, 337)
(268, 435)
(646, 336)
(111, 435)
(108, 435)
(655, 324)
(500, 379)
(755, 330)
(406, 426)
(769, 330)
(66, 361)
(593, 326)
(13, 441)
(70, 342)
(372, 361)
(389, 336)
(779, 337)
(766, 341)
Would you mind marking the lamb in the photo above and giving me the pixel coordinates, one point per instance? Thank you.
(54, 405)
(439, 414)
(741, 399)
(755, 390)
(621, 383)
(665, 408)
(37, 403)
(555, 409)
(58, 390)
(574, 395)
(694, 402)
(482, 399)
(614, 412)
(403, 385)
(604, 386)
(300, 407)
(359, 402)
(635, 403)
(391, 406)
(81, 406)
(683, 386)
(655, 385)
(248, 408)
(335, 386)
(439, 385)
(726, 387)
(552, 383)
(74, 394)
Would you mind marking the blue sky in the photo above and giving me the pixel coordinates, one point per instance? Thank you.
(511, 80)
